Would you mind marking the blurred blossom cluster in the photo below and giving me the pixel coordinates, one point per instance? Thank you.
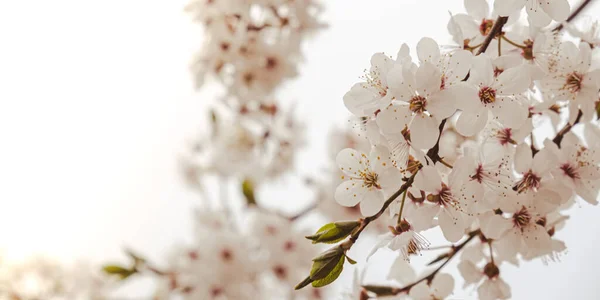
(42, 278)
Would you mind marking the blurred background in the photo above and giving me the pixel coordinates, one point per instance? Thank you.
(97, 102)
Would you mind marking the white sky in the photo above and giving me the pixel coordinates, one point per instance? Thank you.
(96, 100)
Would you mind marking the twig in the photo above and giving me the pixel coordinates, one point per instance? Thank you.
(559, 136)
(429, 278)
(365, 222)
(574, 14)
(496, 29)
(402, 207)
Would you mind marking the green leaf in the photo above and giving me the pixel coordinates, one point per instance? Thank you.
(334, 232)
(333, 274)
(304, 283)
(118, 271)
(350, 260)
(324, 264)
(248, 191)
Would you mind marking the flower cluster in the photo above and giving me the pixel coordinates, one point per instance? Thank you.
(490, 140)
(41, 278)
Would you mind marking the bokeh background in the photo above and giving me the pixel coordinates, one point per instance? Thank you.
(97, 102)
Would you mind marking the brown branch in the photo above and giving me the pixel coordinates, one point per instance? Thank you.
(365, 222)
(559, 136)
(574, 14)
(495, 31)
(391, 291)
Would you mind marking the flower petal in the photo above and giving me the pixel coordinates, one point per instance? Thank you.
(428, 50)
(442, 285)
(558, 10)
(371, 202)
(470, 123)
(351, 162)
(349, 193)
(424, 131)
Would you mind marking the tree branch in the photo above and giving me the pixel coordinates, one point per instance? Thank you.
(574, 14)
(559, 136)
(495, 31)
(391, 291)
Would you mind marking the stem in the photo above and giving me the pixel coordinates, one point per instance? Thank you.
(365, 222)
(445, 163)
(497, 29)
(402, 207)
(499, 47)
(491, 252)
(433, 153)
(559, 136)
(574, 14)
(513, 43)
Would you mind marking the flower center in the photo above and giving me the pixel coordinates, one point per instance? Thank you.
(530, 181)
(443, 198)
(504, 136)
(528, 50)
(478, 174)
(418, 104)
(487, 95)
(486, 26)
(521, 218)
(573, 83)
(370, 179)
(570, 170)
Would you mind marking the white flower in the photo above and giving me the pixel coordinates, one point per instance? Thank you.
(424, 97)
(588, 31)
(495, 95)
(573, 79)
(368, 178)
(364, 98)
(522, 231)
(404, 239)
(532, 169)
(447, 198)
(441, 287)
(578, 169)
(540, 12)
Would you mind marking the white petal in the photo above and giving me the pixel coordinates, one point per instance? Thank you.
(401, 271)
(422, 217)
(428, 179)
(479, 9)
(428, 50)
(558, 10)
(393, 118)
(429, 79)
(523, 158)
(382, 241)
(452, 225)
(509, 245)
(424, 131)
(536, 15)
(349, 193)
(482, 71)
(442, 105)
(372, 202)
(470, 123)
(509, 112)
(493, 289)
(458, 66)
(420, 291)
(350, 162)
(536, 238)
(361, 100)
(467, 98)
(470, 273)
(494, 226)
(544, 161)
(506, 7)
(442, 285)
(513, 81)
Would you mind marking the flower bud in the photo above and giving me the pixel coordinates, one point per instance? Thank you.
(491, 270)
(333, 232)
